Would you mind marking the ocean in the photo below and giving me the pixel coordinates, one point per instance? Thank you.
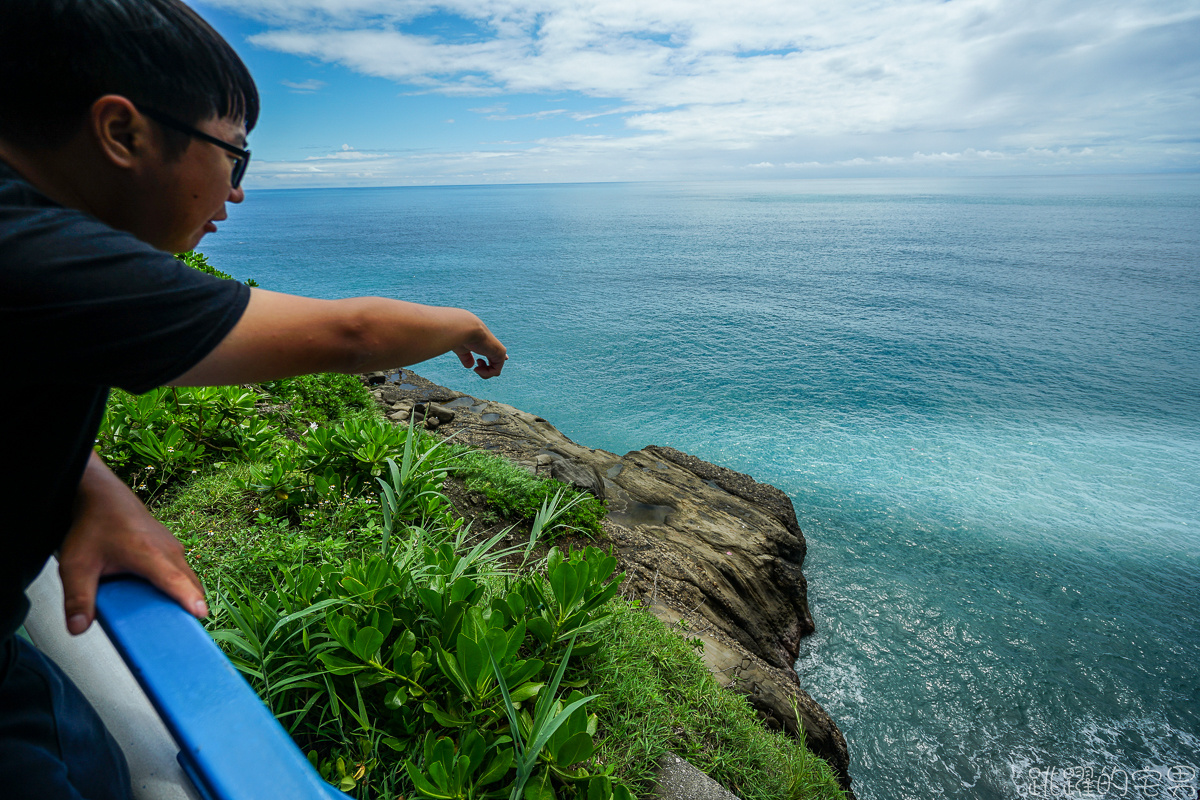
(982, 395)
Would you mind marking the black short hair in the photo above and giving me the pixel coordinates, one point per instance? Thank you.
(58, 56)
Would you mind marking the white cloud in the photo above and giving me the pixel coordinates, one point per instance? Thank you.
(553, 112)
(352, 155)
(304, 87)
(969, 83)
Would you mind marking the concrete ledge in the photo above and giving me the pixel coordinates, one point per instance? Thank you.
(100, 673)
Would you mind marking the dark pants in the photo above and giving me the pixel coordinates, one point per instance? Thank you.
(52, 744)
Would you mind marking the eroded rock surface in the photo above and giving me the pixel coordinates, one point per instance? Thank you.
(702, 545)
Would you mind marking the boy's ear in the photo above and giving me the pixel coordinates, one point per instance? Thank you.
(121, 132)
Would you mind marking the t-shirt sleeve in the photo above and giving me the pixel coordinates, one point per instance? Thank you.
(100, 304)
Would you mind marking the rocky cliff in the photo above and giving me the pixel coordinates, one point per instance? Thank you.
(700, 544)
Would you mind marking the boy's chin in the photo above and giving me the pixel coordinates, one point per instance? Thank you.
(184, 245)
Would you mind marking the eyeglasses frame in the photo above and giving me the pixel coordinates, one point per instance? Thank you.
(242, 154)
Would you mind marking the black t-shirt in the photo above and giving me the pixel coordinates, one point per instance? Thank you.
(83, 307)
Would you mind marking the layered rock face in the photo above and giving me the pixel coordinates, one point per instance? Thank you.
(709, 550)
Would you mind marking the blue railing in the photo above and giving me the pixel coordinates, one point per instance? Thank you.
(229, 744)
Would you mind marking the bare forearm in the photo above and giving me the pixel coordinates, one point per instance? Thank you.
(97, 482)
(393, 333)
(283, 335)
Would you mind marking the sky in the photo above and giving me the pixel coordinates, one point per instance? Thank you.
(409, 92)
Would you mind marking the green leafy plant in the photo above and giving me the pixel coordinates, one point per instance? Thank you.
(551, 516)
(602, 787)
(467, 668)
(412, 653)
(262, 644)
(579, 585)
(197, 260)
(327, 397)
(532, 734)
(450, 772)
(328, 466)
(154, 438)
(412, 489)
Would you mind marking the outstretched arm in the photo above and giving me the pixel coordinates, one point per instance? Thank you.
(113, 533)
(278, 336)
(282, 335)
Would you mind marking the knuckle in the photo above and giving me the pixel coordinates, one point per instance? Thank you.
(76, 601)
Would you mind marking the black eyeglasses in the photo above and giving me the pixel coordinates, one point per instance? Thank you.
(242, 156)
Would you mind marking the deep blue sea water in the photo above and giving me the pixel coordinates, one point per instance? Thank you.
(983, 396)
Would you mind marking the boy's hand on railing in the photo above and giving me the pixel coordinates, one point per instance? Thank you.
(113, 533)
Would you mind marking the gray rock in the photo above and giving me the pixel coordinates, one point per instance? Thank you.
(679, 780)
(442, 413)
(580, 474)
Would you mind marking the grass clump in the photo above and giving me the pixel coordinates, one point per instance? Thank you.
(515, 494)
(226, 533)
(657, 696)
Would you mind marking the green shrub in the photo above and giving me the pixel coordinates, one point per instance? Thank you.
(321, 398)
(197, 260)
(154, 439)
(331, 464)
(407, 673)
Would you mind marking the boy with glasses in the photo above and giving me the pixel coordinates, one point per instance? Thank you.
(123, 130)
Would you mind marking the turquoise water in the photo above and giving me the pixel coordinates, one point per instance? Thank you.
(983, 397)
